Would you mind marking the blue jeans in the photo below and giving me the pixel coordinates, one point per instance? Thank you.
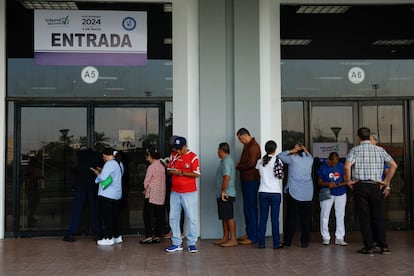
(249, 191)
(189, 203)
(271, 200)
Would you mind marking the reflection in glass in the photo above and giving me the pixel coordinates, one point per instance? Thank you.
(387, 122)
(131, 131)
(49, 140)
(292, 124)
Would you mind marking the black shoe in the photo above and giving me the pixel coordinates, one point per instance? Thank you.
(385, 251)
(279, 246)
(285, 244)
(366, 251)
(304, 244)
(69, 238)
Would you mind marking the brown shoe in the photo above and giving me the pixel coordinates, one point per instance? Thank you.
(220, 242)
(229, 244)
(245, 237)
(246, 241)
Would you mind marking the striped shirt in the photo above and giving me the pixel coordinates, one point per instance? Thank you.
(368, 161)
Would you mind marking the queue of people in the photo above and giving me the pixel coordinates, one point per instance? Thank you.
(367, 171)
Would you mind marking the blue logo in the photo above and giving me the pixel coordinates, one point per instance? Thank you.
(129, 23)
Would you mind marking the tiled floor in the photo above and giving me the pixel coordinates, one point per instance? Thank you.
(52, 256)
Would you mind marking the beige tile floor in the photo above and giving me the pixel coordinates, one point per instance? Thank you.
(51, 256)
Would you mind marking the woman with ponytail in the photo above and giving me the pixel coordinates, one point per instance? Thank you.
(270, 190)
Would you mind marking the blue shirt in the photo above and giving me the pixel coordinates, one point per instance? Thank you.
(326, 173)
(115, 170)
(299, 183)
(226, 167)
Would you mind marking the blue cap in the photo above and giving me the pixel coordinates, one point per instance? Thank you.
(179, 143)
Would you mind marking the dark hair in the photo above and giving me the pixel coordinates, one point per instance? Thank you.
(110, 151)
(224, 147)
(114, 153)
(364, 133)
(243, 131)
(333, 155)
(270, 147)
(153, 153)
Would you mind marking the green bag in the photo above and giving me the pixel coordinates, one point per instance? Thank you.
(106, 182)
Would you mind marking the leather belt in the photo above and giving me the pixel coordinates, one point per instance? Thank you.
(367, 182)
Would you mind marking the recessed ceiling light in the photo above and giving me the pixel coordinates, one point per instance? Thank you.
(295, 42)
(401, 42)
(48, 5)
(323, 9)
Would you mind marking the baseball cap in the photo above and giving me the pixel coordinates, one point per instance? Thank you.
(179, 143)
(172, 139)
(374, 136)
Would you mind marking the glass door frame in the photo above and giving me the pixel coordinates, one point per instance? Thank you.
(407, 160)
(16, 175)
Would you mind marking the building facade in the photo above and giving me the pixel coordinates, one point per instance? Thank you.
(213, 66)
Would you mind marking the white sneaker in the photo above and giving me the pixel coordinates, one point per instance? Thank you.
(325, 242)
(118, 240)
(340, 242)
(106, 242)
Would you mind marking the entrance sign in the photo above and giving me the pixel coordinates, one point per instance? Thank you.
(77, 37)
(356, 75)
(322, 150)
(90, 74)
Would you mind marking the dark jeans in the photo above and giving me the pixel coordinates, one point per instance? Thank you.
(78, 203)
(111, 217)
(272, 201)
(153, 219)
(368, 204)
(249, 191)
(295, 209)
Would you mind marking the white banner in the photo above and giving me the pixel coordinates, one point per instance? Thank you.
(322, 150)
(103, 35)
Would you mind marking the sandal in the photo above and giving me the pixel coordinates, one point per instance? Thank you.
(156, 240)
(146, 240)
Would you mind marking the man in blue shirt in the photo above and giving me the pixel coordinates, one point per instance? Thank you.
(226, 195)
(331, 176)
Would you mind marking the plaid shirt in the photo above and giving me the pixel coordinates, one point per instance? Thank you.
(368, 161)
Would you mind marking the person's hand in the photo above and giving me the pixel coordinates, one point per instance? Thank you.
(351, 184)
(332, 185)
(224, 196)
(386, 192)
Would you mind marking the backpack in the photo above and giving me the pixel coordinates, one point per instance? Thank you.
(278, 168)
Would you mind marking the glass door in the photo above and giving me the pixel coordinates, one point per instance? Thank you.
(131, 130)
(387, 121)
(49, 139)
(332, 129)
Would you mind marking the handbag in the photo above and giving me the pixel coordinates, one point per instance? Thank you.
(106, 182)
(324, 194)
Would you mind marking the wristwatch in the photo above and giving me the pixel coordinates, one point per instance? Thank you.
(388, 188)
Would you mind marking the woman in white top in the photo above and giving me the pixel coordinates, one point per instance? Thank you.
(110, 196)
(270, 191)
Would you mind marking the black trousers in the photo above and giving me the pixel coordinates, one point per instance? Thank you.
(111, 217)
(369, 206)
(295, 209)
(154, 217)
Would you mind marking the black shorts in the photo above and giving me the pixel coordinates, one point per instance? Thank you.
(225, 208)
